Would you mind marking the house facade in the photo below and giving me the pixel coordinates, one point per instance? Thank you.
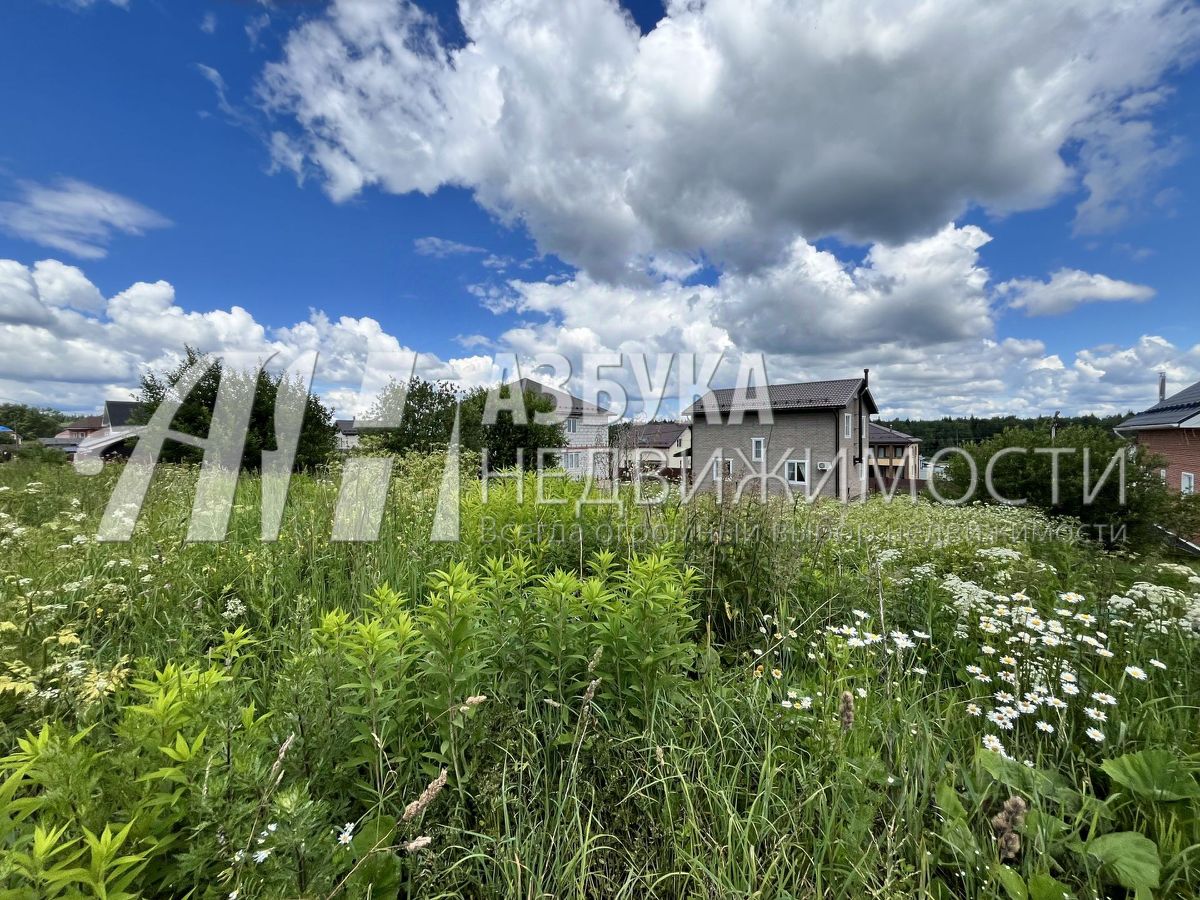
(1171, 430)
(347, 434)
(585, 428)
(815, 442)
(895, 453)
(81, 428)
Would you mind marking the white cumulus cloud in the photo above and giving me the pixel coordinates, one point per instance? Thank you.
(1067, 289)
(735, 126)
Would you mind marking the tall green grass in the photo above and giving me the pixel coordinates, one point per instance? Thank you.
(626, 701)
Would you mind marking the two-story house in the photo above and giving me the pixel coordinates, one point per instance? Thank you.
(586, 431)
(816, 441)
(894, 452)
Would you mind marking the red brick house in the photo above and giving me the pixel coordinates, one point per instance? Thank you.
(1171, 430)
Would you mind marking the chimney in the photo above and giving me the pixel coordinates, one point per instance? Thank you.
(1162, 386)
(866, 376)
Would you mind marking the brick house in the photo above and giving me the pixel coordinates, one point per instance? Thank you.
(816, 444)
(1171, 430)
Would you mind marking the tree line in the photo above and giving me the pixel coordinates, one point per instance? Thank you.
(936, 434)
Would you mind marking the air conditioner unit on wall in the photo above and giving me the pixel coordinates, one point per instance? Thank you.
(822, 467)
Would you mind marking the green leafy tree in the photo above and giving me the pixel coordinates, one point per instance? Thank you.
(33, 421)
(505, 437)
(318, 437)
(1024, 471)
(425, 412)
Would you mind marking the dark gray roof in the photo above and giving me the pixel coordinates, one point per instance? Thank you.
(118, 411)
(881, 434)
(578, 407)
(345, 426)
(658, 435)
(800, 396)
(1169, 413)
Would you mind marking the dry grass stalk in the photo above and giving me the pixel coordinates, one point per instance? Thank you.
(418, 806)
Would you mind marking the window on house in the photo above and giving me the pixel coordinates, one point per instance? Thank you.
(572, 425)
(885, 452)
(1187, 483)
(794, 471)
(758, 447)
(848, 425)
(722, 468)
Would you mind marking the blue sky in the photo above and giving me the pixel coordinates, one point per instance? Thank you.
(172, 108)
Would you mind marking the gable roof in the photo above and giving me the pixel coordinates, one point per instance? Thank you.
(657, 435)
(803, 395)
(117, 412)
(345, 426)
(881, 434)
(86, 423)
(578, 407)
(1169, 413)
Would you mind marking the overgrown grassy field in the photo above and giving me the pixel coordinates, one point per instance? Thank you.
(689, 701)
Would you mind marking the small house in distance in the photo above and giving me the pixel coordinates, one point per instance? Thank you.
(347, 434)
(655, 446)
(80, 429)
(894, 452)
(1171, 430)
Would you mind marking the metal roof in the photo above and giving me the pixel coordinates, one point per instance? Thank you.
(118, 411)
(578, 407)
(94, 423)
(799, 396)
(1169, 413)
(881, 434)
(660, 435)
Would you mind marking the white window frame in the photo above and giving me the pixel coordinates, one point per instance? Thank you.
(722, 469)
(1187, 483)
(572, 425)
(572, 459)
(848, 425)
(792, 466)
(758, 448)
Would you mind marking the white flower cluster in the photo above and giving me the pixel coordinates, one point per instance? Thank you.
(1005, 554)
